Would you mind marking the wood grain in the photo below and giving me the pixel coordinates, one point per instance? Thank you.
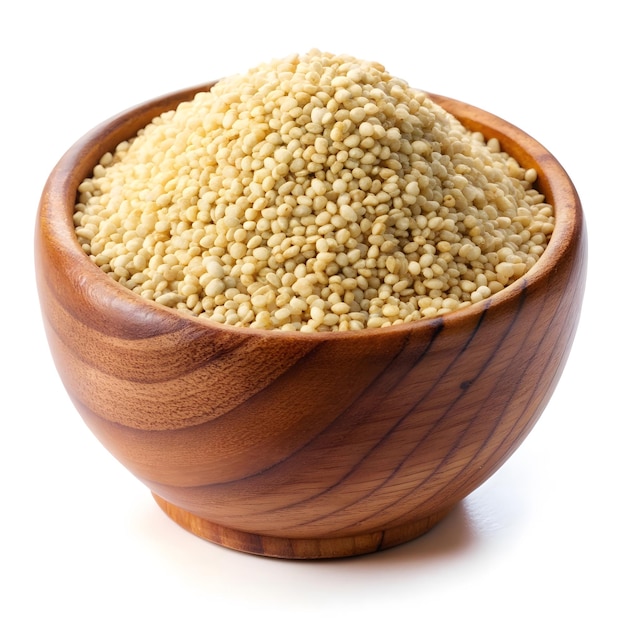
(307, 445)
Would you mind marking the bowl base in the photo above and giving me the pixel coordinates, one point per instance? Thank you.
(298, 548)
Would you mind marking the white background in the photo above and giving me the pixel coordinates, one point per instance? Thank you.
(542, 542)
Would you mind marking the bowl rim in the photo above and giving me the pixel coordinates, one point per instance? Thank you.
(56, 207)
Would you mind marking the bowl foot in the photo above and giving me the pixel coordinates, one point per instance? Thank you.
(298, 548)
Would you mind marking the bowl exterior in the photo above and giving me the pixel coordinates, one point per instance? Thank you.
(296, 445)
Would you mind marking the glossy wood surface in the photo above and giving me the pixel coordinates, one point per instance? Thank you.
(298, 445)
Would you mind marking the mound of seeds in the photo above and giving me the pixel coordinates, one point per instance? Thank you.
(313, 193)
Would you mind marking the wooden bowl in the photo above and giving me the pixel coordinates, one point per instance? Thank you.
(302, 445)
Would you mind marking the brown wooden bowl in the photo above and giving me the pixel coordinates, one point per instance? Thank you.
(307, 445)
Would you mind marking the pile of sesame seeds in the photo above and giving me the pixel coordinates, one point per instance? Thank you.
(312, 193)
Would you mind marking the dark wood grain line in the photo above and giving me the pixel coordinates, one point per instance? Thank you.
(384, 439)
(518, 432)
(424, 440)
